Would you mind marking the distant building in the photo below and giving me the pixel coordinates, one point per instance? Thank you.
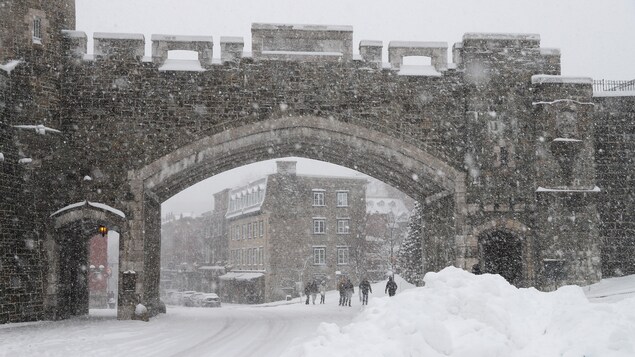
(286, 230)
(387, 215)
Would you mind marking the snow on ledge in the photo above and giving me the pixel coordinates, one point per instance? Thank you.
(102, 206)
(563, 101)
(624, 93)
(10, 66)
(182, 65)
(501, 36)
(300, 27)
(567, 139)
(416, 44)
(547, 78)
(542, 189)
(118, 36)
(414, 70)
(181, 38)
(302, 53)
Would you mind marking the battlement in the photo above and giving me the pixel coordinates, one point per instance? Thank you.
(162, 44)
(302, 42)
(311, 43)
(437, 51)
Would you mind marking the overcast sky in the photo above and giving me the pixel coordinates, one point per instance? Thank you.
(596, 37)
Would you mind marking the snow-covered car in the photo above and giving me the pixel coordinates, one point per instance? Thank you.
(210, 300)
(185, 296)
(193, 300)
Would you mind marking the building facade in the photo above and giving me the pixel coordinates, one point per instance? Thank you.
(287, 230)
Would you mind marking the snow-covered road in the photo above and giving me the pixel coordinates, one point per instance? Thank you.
(456, 314)
(232, 330)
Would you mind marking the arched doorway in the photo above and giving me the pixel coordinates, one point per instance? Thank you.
(70, 269)
(501, 252)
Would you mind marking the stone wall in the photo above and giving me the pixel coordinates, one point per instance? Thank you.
(614, 123)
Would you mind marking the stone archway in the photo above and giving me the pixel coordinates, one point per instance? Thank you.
(500, 252)
(504, 248)
(408, 168)
(67, 292)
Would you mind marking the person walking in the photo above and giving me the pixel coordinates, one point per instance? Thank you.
(365, 288)
(341, 287)
(322, 292)
(307, 292)
(350, 290)
(314, 291)
(391, 287)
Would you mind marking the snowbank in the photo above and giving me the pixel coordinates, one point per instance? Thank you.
(460, 314)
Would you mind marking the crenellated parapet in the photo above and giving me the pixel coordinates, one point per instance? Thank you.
(302, 42)
(437, 51)
(118, 46)
(162, 44)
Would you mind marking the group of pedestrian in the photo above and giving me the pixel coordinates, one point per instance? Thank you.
(346, 289)
(312, 289)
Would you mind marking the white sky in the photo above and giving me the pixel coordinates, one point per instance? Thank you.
(596, 37)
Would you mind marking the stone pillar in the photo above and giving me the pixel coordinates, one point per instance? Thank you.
(566, 194)
(74, 44)
(231, 48)
(371, 52)
(119, 46)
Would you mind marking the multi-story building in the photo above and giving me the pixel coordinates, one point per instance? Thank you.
(286, 230)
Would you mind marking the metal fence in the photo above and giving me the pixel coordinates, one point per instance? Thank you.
(605, 85)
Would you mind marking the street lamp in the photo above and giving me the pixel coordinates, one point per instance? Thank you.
(103, 230)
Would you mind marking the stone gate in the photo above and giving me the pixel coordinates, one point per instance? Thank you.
(511, 161)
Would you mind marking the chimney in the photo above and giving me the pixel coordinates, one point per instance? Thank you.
(286, 167)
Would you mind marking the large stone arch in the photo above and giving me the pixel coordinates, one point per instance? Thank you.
(71, 229)
(414, 171)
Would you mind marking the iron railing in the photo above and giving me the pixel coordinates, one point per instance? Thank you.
(606, 85)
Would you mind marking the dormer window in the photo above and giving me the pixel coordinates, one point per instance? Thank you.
(37, 30)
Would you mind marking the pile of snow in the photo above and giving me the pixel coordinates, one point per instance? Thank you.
(461, 314)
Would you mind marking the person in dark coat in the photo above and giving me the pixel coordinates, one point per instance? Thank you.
(364, 288)
(307, 292)
(349, 290)
(391, 287)
(341, 287)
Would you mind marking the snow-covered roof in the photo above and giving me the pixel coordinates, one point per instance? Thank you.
(102, 206)
(74, 34)
(240, 276)
(386, 205)
(302, 53)
(624, 93)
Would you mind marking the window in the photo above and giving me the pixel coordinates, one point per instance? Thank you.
(253, 256)
(261, 256)
(504, 156)
(319, 255)
(244, 231)
(319, 226)
(262, 228)
(249, 230)
(236, 232)
(342, 199)
(343, 226)
(342, 255)
(37, 29)
(318, 198)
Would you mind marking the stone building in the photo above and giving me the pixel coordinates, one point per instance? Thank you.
(286, 230)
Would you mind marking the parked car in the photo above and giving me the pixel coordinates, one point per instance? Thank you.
(184, 296)
(210, 300)
(193, 300)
